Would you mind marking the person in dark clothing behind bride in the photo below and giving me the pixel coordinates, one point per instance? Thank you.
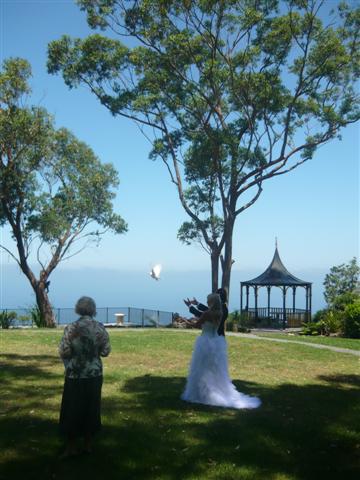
(197, 308)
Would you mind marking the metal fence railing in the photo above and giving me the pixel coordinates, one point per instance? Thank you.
(112, 316)
(274, 317)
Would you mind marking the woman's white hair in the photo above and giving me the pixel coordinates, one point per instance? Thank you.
(86, 306)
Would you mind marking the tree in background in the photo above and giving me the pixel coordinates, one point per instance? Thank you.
(342, 294)
(230, 93)
(341, 284)
(54, 192)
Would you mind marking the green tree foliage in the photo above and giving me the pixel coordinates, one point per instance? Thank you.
(342, 294)
(230, 92)
(341, 283)
(341, 315)
(351, 325)
(55, 194)
(342, 301)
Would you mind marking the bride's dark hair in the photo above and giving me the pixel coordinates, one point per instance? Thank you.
(223, 294)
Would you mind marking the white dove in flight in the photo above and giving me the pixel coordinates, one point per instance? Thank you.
(155, 272)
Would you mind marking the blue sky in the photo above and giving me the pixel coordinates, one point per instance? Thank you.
(314, 211)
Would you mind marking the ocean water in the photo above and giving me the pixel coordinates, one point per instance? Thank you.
(118, 288)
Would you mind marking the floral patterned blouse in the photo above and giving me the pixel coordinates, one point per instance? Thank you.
(81, 346)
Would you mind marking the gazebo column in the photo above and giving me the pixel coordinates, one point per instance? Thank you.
(308, 303)
(284, 307)
(268, 305)
(256, 301)
(247, 303)
(294, 294)
(241, 297)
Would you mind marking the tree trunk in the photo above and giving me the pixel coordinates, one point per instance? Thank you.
(47, 318)
(44, 305)
(227, 260)
(214, 271)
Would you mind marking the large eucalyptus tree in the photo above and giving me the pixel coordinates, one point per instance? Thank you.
(231, 93)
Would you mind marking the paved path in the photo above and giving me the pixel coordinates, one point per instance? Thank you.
(308, 344)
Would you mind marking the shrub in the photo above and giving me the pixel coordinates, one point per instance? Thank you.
(237, 322)
(36, 317)
(332, 322)
(7, 318)
(351, 321)
(232, 320)
(313, 328)
(325, 322)
(320, 315)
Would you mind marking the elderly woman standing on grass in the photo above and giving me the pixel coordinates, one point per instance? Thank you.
(81, 347)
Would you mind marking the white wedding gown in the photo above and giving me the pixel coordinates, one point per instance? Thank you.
(208, 381)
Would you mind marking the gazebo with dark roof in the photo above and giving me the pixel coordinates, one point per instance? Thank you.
(276, 275)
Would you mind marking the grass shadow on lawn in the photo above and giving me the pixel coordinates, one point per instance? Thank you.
(28, 429)
(29, 364)
(23, 380)
(306, 430)
(352, 380)
(301, 432)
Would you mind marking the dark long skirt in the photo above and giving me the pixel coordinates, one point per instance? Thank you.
(80, 407)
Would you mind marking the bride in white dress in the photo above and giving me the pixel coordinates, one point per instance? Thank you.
(208, 381)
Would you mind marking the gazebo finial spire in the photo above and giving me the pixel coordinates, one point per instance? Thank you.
(276, 242)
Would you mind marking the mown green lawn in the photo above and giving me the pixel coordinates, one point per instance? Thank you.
(307, 427)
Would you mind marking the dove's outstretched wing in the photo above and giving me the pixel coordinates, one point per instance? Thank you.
(155, 272)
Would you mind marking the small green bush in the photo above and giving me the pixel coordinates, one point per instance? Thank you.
(325, 322)
(332, 322)
(36, 317)
(232, 319)
(7, 318)
(237, 322)
(351, 321)
(313, 328)
(320, 315)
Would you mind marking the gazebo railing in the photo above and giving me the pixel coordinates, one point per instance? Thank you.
(274, 317)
